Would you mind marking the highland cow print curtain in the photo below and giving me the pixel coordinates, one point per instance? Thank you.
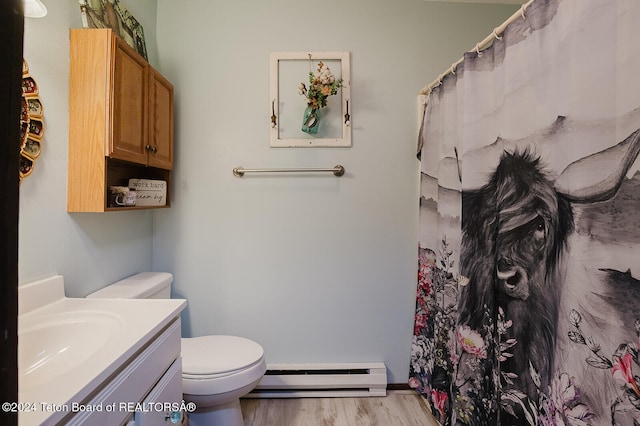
(528, 296)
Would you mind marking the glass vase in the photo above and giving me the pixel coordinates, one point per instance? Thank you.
(311, 120)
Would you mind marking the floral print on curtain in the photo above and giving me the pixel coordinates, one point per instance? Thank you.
(528, 293)
(450, 362)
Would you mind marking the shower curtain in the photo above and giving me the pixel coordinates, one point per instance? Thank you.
(528, 296)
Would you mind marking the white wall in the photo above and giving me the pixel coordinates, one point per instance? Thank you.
(315, 268)
(90, 250)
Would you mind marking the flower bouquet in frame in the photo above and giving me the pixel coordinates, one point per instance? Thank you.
(322, 84)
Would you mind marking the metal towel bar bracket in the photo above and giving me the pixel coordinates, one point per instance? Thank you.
(336, 170)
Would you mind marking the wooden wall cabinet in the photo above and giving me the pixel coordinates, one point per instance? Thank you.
(120, 120)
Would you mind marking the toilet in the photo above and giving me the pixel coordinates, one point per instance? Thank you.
(216, 370)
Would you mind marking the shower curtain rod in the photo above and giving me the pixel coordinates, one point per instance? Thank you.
(478, 47)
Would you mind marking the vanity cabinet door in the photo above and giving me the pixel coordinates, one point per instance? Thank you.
(160, 146)
(157, 369)
(163, 400)
(129, 105)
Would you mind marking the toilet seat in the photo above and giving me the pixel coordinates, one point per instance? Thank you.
(215, 355)
(217, 364)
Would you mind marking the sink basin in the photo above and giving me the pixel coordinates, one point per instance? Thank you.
(71, 349)
(52, 345)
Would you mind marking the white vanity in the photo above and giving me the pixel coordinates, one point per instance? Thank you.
(97, 361)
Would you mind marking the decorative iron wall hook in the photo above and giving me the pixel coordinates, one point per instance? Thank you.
(273, 113)
(347, 117)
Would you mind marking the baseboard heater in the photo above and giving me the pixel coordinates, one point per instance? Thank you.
(322, 380)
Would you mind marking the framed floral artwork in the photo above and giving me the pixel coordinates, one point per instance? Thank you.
(309, 102)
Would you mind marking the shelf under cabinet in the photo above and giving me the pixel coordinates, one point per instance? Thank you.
(119, 172)
(91, 194)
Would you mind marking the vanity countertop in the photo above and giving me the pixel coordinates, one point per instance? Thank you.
(100, 334)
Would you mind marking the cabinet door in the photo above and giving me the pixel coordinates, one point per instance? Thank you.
(163, 400)
(160, 121)
(129, 105)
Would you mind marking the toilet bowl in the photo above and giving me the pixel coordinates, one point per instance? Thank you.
(216, 370)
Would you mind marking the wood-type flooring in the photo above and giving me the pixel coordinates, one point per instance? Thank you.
(398, 408)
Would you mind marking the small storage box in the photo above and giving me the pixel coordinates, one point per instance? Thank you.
(149, 192)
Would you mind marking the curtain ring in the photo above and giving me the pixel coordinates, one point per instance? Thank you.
(495, 34)
(452, 70)
(523, 9)
(478, 50)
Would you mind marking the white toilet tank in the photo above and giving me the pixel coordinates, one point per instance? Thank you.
(145, 285)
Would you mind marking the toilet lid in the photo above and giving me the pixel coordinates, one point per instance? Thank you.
(209, 355)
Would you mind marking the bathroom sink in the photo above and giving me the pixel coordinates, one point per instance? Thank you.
(70, 348)
(52, 345)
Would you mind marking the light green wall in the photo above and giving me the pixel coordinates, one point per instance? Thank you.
(316, 269)
(88, 249)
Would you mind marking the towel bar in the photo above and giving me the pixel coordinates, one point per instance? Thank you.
(337, 170)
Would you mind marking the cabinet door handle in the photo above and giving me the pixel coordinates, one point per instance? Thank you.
(148, 147)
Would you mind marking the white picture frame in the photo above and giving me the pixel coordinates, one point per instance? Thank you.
(287, 106)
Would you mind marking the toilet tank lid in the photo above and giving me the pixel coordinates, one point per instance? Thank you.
(138, 286)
